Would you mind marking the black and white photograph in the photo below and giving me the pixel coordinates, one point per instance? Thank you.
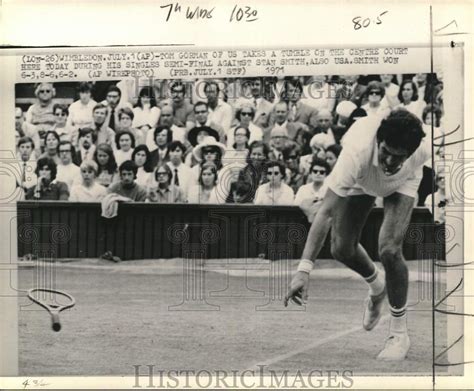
(235, 217)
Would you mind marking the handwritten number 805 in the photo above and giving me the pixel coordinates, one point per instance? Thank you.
(359, 23)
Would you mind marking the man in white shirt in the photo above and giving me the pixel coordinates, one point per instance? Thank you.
(220, 112)
(181, 173)
(27, 161)
(379, 158)
(67, 172)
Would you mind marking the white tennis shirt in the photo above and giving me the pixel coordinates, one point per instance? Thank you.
(357, 170)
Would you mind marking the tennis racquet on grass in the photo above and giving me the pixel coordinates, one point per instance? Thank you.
(53, 301)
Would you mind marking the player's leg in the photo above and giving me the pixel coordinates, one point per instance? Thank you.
(347, 227)
(397, 213)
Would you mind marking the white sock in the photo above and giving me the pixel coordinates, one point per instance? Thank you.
(376, 282)
(398, 320)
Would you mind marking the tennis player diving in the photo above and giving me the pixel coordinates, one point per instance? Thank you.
(382, 158)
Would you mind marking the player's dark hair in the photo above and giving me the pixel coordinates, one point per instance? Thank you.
(401, 129)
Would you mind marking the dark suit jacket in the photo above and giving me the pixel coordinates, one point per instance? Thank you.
(156, 159)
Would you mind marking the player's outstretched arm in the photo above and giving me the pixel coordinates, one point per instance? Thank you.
(298, 289)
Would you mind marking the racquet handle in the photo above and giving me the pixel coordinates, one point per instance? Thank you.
(56, 324)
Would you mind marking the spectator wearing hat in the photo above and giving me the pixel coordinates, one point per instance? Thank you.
(87, 189)
(209, 150)
(195, 136)
(275, 191)
(40, 115)
(245, 115)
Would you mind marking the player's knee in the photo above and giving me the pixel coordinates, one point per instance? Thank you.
(341, 251)
(390, 254)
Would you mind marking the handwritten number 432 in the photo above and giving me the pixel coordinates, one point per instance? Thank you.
(359, 22)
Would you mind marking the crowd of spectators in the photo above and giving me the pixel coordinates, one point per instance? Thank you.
(268, 141)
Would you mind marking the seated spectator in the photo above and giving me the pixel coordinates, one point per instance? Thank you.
(19, 122)
(240, 149)
(294, 177)
(375, 93)
(51, 143)
(280, 114)
(162, 135)
(298, 110)
(390, 100)
(142, 158)
(107, 166)
(332, 153)
(319, 94)
(253, 94)
(302, 139)
(68, 172)
(125, 124)
(254, 172)
(323, 125)
(201, 114)
(125, 143)
(310, 196)
(206, 191)
(47, 188)
(220, 112)
(439, 199)
(183, 110)
(87, 139)
(275, 192)
(167, 121)
(61, 113)
(209, 150)
(240, 193)
(25, 152)
(146, 112)
(278, 142)
(245, 115)
(127, 187)
(181, 173)
(113, 102)
(195, 136)
(317, 144)
(408, 96)
(88, 190)
(432, 116)
(164, 192)
(80, 112)
(40, 116)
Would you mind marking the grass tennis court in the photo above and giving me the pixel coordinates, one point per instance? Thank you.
(123, 318)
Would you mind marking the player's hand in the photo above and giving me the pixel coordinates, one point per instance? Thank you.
(298, 289)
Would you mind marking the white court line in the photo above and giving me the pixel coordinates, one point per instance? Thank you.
(311, 346)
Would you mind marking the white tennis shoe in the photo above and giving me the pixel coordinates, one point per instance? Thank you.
(373, 310)
(396, 347)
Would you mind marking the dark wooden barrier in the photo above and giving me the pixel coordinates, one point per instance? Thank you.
(143, 231)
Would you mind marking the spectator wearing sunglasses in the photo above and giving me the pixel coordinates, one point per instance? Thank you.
(309, 197)
(275, 191)
(61, 113)
(375, 93)
(245, 115)
(40, 115)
